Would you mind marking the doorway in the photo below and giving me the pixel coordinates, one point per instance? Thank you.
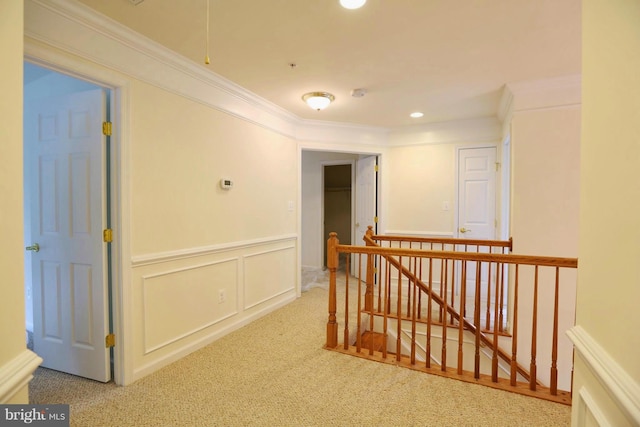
(338, 204)
(67, 207)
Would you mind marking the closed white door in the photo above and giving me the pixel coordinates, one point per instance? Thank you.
(64, 157)
(477, 193)
(477, 208)
(366, 204)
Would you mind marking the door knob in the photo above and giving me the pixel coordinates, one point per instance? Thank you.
(35, 247)
(464, 230)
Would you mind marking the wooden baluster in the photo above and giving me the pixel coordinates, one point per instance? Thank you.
(534, 333)
(345, 340)
(443, 284)
(501, 324)
(494, 360)
(487, 325)
(409, 294)
(414, 314)
(476, 370)
(429, 315)
(368, 299)
(399, 312)
(453, 289)
(442, 280)
(554, 349)
(359, 302)
(514, 332)
(420, 292)
(463, 298)
(332, 264)
(387, 286)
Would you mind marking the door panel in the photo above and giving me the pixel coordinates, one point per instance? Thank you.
(64, 153)
(366, 203)
(476, 208)
(476, 193)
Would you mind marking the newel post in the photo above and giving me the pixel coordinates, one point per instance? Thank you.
(368, 296)
(332, 264)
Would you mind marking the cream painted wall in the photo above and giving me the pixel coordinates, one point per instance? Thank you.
(545, 155)
(192, 262)
(609, 283)
(180, 151)
(545, 187)
(421, 178)
(12, 333)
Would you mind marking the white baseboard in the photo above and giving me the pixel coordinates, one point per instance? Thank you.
(15, 375)
(622, 388)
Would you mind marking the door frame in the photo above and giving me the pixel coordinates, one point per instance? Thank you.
(120, 296)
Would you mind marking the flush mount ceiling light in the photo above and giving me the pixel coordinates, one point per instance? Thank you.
(352, 4)
(416, 115)
(318, 100)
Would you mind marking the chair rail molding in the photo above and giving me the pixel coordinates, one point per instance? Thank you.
(16, 374)
(621, 387)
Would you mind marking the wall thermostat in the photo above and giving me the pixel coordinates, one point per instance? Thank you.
(226, 184)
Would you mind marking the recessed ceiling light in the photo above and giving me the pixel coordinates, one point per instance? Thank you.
(416, 115)
(352, 4)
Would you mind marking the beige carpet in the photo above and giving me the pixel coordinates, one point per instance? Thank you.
(274, 372)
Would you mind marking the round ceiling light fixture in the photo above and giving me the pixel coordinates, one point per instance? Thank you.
(318, 100)
(352, 4)
(416, 115)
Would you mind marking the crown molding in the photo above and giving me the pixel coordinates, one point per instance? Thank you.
(555, 92)
(544, 93)
(487, 129)
(73, 27)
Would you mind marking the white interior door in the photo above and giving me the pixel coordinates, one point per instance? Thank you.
(477, 204)
(64, 157)
(366, 203)
(477, 193)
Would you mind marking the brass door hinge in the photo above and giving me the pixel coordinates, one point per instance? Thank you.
(375, 219)
(110, 341)
(107, 128)
(375, 168)
(107, 235)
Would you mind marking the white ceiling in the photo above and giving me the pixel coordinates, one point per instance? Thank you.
(447, 58)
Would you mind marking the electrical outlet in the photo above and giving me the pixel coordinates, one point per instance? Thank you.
(222, 296)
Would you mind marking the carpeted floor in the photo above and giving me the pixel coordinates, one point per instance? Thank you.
(274, 372)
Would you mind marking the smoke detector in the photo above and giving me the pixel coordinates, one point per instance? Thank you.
(358, 93)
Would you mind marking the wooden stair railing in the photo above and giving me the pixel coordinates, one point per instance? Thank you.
(404, 262)
(438, 298)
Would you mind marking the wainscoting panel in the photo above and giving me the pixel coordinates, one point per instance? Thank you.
(187, 299)
(268, 274)
(204, 294)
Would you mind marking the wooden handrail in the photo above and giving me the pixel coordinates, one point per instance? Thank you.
(545, 261)
(508, 244)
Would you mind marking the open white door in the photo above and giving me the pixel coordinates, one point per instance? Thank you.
(366, 204)
(64, 155)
